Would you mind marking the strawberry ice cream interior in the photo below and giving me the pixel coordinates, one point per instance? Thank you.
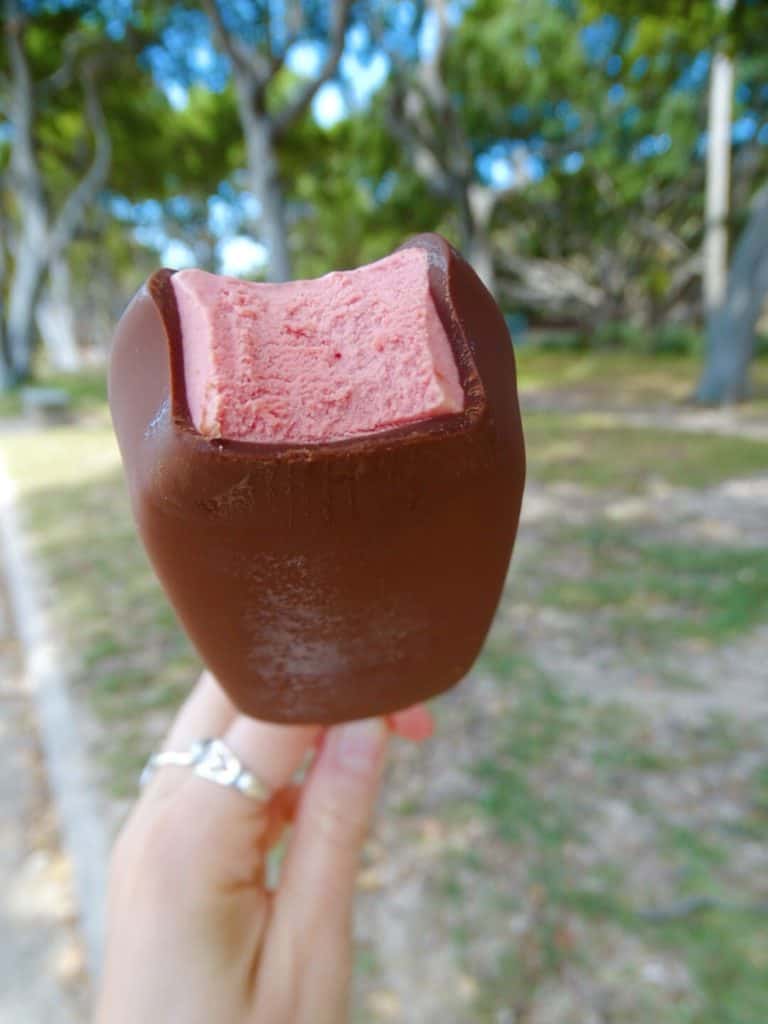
(350, 353)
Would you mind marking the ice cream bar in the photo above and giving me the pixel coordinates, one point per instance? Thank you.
(326, 475)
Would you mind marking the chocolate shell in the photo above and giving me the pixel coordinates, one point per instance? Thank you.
(332, 581)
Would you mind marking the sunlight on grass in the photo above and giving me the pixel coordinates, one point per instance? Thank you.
(651, 593)
(622, 378)
(58, 457)
(594, 451)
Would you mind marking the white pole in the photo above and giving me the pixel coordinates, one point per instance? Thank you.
(718, 174)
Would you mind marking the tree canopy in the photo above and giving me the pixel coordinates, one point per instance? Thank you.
(560, 143)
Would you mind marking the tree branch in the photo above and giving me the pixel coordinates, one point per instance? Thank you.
(24, 171)
(422, 116)
(70, 214)
(21, 100)
(4, 236)
(662, 235)
(423, 159)
(547, 284)
(457, 153)
(432, 67)
(247, 61)
(294, 110)
(65, 72)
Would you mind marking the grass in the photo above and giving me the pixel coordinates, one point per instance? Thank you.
(725, 943)
(542, 719)
(547, 768)
(619, 378)
(598, 452)
(648, 593)
(87, 391)
(552, 762)
(130, 661)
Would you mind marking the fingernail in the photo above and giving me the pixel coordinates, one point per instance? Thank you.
(358, 744)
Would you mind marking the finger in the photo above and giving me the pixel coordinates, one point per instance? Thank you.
(274, 753)
(220, 834)
(415, 723)
(317, 883)
(207, 711)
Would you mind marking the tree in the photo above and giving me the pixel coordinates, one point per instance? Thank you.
(534, 128)
(424, 116)
(731, 326)
(721, 77)
(257, 49)
(356, 167)
(733, 33)
(38, 234)
(81, 72)
(733, 305)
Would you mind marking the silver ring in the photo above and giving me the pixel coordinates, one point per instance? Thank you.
(211, 759)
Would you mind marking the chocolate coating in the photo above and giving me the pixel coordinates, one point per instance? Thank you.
(333, 581)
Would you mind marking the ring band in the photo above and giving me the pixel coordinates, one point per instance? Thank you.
(210, 759)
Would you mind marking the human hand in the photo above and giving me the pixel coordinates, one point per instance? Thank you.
(194, 934)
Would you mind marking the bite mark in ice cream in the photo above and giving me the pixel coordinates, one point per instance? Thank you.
(310, 361)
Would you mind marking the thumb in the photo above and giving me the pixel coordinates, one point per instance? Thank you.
(317, 883)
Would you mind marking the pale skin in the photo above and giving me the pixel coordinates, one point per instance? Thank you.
(194, 933)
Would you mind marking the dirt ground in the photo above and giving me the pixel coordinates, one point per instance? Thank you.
(585, 841)
(642, 846)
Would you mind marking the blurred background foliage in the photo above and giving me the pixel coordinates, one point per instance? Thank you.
(561, 144)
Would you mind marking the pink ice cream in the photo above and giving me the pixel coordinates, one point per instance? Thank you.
(347, 354)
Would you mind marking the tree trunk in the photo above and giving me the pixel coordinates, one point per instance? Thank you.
(476, 205)
(39, 241)
(6, 377)
(264, 181)
(26, 285)
(6, 374)
(731, 328)
(254, 69)
(29, 248)
(56, 319)
(480, 255)
(717, 204)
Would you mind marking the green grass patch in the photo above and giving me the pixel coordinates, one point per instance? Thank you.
(620, 378)
(727, 952)
(596, 451)
(607, 375)
(649, 592)
(552, 761)
(725, 943)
